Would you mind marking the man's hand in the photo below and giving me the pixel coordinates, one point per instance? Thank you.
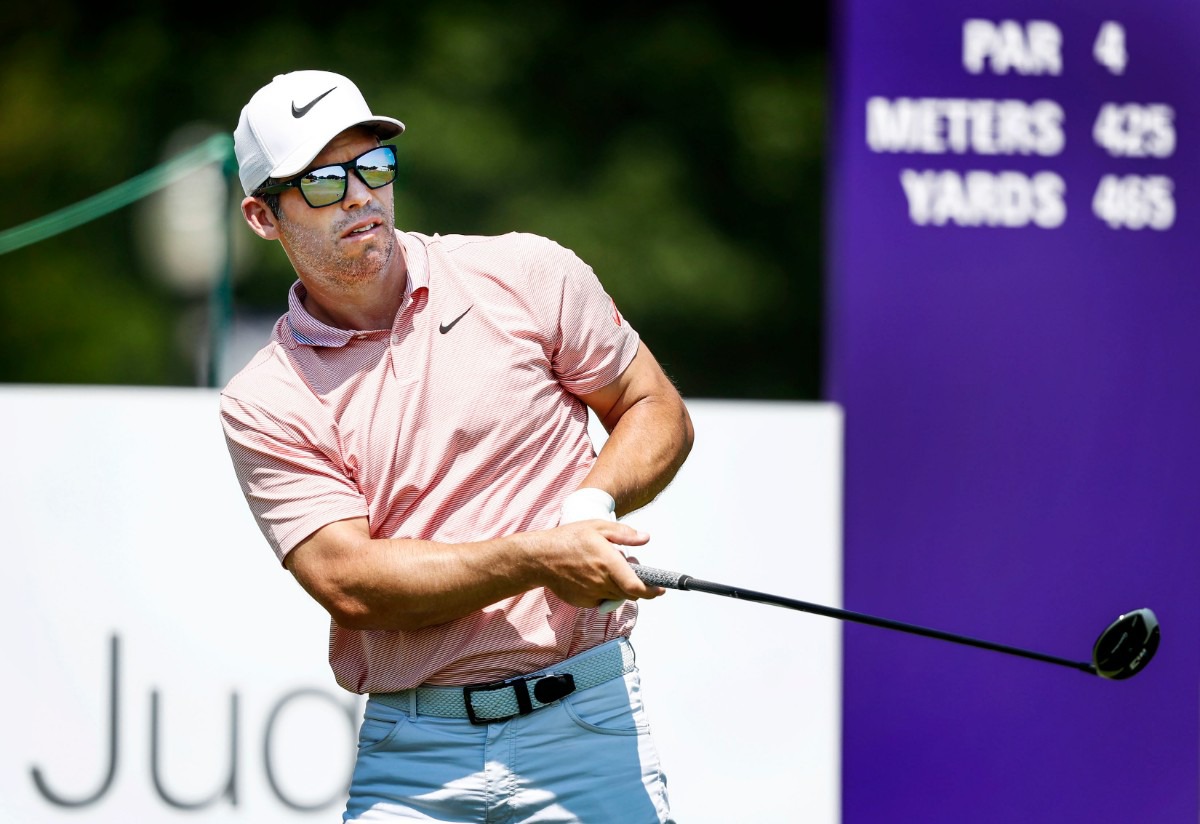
(585, 565)
(589, 503)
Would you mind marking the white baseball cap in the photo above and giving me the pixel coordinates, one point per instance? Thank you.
(288, 122)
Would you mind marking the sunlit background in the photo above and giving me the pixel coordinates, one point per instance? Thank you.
(677, 147)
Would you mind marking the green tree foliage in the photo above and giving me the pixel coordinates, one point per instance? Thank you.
(678, 148)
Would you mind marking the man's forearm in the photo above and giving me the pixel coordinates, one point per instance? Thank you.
(649, 433)
(643, 453)
(400, 584)
(379, 583)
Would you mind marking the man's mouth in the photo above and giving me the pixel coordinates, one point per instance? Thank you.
(362, 228)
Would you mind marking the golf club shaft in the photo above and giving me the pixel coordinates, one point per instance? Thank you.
(676, 580)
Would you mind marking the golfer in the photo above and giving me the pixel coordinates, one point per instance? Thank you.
(413, 443)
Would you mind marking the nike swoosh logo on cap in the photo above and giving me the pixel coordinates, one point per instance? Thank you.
(303, 110)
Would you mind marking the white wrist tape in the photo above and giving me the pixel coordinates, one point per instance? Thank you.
(586, 504)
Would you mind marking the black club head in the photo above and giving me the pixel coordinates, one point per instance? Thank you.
(1124, 649)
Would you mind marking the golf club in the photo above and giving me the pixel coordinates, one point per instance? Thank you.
(1121, 651)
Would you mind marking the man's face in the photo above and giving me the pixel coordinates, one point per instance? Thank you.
(350, 242)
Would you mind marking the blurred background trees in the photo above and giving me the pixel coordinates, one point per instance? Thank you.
(676, 147)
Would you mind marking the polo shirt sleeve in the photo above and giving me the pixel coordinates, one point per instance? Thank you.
(293, 487)
(594, 343)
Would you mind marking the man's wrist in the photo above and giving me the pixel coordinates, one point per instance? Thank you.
(588, 503)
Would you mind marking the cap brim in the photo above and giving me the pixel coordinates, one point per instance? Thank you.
(296, 162)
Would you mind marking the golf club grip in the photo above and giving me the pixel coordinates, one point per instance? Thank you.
(661, 577)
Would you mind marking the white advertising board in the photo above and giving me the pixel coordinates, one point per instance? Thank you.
(162, 667)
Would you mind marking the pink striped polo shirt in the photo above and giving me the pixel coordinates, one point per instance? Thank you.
(457, 424)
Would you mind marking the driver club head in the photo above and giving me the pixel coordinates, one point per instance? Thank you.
(1124, 649)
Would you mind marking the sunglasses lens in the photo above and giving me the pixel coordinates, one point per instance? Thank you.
(327, 185)
(322, 187)
(378, 167)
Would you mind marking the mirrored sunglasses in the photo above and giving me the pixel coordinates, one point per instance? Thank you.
(326, 185)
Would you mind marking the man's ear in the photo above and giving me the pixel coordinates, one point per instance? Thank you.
(260, 219)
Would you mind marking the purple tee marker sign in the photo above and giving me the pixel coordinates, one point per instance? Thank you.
(1014, 335)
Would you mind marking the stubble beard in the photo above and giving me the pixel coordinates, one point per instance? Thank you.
(318, 257)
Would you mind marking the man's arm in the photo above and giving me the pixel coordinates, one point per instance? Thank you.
(649, 434)
(380, 583)
(367, 583)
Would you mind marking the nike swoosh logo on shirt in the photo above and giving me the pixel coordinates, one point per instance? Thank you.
(303, 110)
(446, 327)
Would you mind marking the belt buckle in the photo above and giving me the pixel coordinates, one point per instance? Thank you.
(547, 688)
(520, 692)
